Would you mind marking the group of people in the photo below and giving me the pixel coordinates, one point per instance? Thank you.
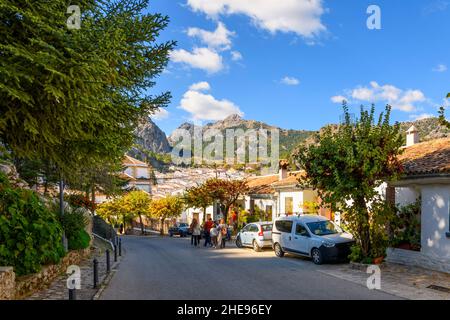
(215, 234)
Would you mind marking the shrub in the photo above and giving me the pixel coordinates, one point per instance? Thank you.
(80, 240)
(73, 221)
(30, 234)
(406, 226)
(77, 200)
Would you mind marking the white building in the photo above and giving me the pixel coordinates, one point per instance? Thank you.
(427, 175)
(281, 195)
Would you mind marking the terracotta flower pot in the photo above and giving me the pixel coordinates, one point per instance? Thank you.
(378, 260)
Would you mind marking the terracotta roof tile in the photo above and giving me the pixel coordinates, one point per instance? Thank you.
(427, 157)
(291, 180)
(261, 184)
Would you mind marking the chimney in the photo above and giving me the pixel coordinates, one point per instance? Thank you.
(412, 136)
(283, 172)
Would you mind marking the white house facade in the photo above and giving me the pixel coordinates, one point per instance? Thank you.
(427, 169)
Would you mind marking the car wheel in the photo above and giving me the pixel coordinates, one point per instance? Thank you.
(278, 250)
(256, 247)
(238, 242)
(316, 256)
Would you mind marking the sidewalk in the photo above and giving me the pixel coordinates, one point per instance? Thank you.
(58, 289)
(402, 281)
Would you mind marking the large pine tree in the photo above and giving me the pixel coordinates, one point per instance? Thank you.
(73, 97)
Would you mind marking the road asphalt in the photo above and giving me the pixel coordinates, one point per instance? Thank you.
(169, 268)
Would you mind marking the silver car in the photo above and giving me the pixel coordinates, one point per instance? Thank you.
(256, 235)
(311, 236)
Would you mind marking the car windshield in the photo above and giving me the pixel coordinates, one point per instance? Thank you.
(266, 227)
(323, 228)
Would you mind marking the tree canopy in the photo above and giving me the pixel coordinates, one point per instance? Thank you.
(349, 164)
(442, 120)
(227, 192)
(164, 208)
(198, 197)
(73, 97)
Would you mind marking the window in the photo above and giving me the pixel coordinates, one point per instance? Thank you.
(268, 213)
(288, 205)
(301, 230)
(254, 228)
(266, 227)
(323, 228)
(284, 226)
(245, 229)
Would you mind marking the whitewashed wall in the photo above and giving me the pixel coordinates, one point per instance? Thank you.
(297, 197)
(435, 221)
(188, 214)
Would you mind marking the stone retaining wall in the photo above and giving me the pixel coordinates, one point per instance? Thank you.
(7, 283)
(20, 287)
(417, 259)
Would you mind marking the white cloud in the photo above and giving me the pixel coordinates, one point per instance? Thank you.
(422, 116)
(236, 56)
(219, 39)
(338, 99)
(302, 17)
(404, 100)
(440, 68)
(204, 106)
(200, 58)
(160, 114)
(290, 81)
(199, 86)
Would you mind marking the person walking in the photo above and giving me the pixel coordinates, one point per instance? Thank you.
(223, 231)
(214, 232)
(207, 229)
(195, 227)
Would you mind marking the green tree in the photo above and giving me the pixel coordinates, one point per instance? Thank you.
(138, 204)
(227, 192)
(442, 119)
(115, 212)
(348, 165)
(74, 97)
(198, 197)
(164, 208)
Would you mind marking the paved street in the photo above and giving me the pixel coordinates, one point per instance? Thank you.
(169, 268)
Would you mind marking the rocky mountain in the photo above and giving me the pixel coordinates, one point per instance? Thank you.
(429, 128)
(289, 139)
(151, 143)
(151, 137)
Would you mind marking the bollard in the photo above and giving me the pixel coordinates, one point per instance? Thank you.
(72, 294)
(95, 273)
(115, 253)
(108, 262)
(120, 247)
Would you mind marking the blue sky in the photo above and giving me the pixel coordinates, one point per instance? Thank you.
(289, 63)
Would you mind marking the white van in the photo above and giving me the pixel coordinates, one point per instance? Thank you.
(311, 236)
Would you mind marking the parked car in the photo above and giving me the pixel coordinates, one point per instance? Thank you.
(256, 235)
(181, 229)
(311, 236)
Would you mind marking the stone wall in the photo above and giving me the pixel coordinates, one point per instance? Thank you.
(417, 259)
(7, 283)
(18, 288)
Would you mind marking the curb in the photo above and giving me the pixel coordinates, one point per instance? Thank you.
(106, 280)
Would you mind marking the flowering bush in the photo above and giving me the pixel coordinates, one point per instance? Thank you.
(80, 201)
